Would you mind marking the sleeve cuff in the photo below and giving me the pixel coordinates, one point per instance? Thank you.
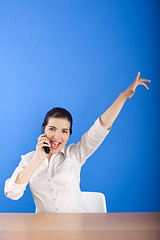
(11, 186)
(101, 131)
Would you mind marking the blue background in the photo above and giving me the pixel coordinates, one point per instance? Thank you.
(80, 55)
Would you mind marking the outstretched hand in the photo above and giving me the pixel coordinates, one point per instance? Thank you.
(128, 93)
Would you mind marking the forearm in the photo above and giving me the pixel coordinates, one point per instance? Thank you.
(27, 173)
(110, 115)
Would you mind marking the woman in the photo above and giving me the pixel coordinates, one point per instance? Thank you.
(53, 170)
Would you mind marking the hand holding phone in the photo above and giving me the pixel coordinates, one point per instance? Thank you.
(44, 142)
(43, 147)
(47, 149)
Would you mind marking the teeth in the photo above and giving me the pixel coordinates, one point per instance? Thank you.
(55, 143)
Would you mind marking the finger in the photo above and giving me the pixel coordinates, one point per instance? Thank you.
(144, 85)
(45, 140)
(138, 75)
(40, 145)
(144, 80)
(43, 144)
(46, 145)
(42, 135)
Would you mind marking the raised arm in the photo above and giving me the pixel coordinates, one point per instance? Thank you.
(110, 115)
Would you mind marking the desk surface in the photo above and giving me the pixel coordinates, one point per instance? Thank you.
(88, 226)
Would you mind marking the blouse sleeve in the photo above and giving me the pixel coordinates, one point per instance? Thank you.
(90, 141)
(14, 190)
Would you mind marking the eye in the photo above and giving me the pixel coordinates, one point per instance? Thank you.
(64, 131)
(51, 129)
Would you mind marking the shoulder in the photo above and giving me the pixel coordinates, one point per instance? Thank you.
(69, 150)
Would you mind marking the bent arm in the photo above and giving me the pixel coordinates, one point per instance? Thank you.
(27, 173)
(13, 190)
(16, 184)
(110, 115)
(37, 159)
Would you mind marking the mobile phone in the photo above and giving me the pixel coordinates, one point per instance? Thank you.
(47, 149)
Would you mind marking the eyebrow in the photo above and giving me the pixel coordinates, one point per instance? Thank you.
(56, 128)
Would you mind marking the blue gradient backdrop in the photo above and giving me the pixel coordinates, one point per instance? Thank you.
(80, 55)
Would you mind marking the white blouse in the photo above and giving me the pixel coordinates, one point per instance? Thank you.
(55, 186)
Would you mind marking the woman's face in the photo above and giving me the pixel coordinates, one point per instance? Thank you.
(58, 132)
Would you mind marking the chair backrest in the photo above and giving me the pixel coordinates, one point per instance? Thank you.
(95, 202)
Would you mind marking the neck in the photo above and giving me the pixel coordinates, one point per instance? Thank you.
(49, 156)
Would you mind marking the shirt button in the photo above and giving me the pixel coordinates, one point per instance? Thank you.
(54, 199)
(57, 209)
(49, 179)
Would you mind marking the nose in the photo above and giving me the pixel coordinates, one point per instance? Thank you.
(56, 134)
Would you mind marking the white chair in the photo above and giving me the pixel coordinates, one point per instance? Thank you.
(95, 202)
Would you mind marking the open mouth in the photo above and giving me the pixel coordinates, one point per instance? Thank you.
(55, 145)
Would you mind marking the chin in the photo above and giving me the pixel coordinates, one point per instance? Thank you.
(54, 151)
